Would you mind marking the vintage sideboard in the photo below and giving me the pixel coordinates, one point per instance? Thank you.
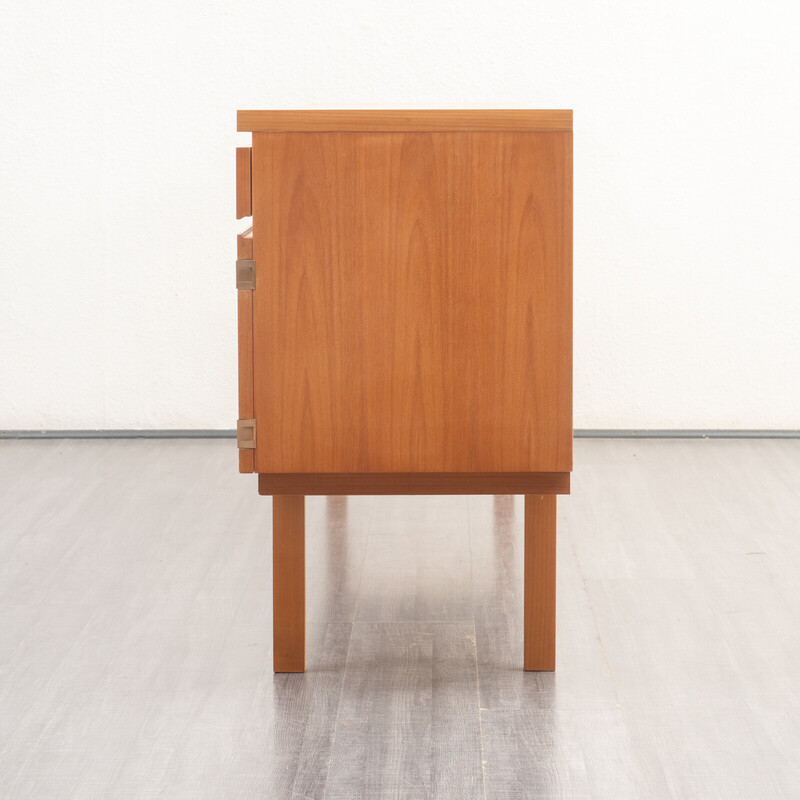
(405, 324)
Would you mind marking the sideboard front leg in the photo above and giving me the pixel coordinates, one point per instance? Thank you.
(288, 583)
(540, 582)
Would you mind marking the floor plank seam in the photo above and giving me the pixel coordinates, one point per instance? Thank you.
(596, 625)
(347, 653)
(622, 712)
(475, 650)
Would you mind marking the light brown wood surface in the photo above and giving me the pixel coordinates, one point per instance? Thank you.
(244, 249)
(289, 583)
(415, 483)
(244, 244)
(412, 310)
(540, 582)
(243, 183)
(406, 120)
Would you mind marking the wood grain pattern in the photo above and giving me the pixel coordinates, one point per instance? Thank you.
(244, 249)
(540, 582)
(406, 120)
(289, 583)
(243, 182)
(415, 483)
(413, 306)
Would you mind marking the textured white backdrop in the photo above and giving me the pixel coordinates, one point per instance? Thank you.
(117, 131)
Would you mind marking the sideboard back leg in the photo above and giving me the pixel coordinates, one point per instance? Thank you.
(540, 582)
(289, 583)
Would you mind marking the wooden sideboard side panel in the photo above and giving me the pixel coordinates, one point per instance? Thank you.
(413, 305)
(244, 249)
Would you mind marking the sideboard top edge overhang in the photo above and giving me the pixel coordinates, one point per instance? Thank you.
(396, 121)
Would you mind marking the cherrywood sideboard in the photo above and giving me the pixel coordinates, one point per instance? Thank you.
(405, 324)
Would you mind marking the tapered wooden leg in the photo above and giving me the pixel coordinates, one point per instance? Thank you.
(289, 583)
(540, 581)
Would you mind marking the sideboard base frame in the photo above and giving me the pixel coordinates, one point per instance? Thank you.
(414, 483)
(289, 577)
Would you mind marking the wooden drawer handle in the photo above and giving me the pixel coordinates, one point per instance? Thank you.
(243, 182)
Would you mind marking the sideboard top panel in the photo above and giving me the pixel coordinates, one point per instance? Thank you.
(406, 120)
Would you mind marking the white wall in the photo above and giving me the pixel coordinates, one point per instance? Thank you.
(117, 133)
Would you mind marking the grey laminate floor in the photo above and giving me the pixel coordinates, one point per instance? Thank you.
(135, 626)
